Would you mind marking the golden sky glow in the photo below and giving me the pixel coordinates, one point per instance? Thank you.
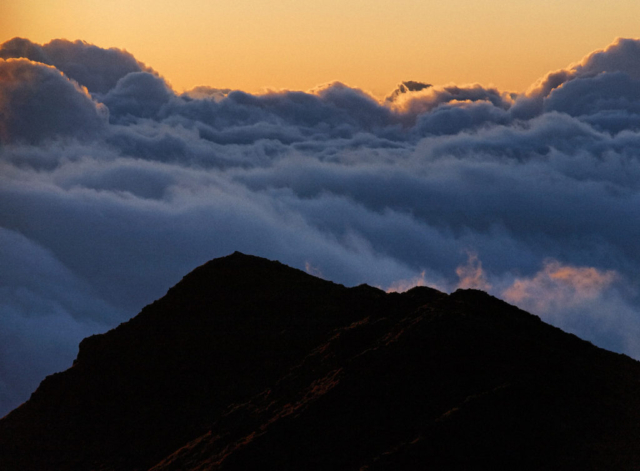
(297, 44)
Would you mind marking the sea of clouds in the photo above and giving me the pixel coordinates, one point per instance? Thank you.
(113, 186)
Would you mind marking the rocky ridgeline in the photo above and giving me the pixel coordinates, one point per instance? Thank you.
(248, 364)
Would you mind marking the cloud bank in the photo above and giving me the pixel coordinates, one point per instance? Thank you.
(113, 186)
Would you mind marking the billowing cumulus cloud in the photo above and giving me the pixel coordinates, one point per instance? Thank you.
(37, 102)
(137, 95)
(112, 187)
(93, 67)
(621, 58)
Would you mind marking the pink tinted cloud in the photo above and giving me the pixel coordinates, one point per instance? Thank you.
(311, 270)
(559, 286)
(471, 275)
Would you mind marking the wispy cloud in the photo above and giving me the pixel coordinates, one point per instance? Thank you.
(401, 286)
(472, 275)
(311, 270)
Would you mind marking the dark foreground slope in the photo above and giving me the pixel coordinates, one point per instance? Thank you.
(247, 364)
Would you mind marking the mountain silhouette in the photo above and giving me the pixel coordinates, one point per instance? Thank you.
(248, 364)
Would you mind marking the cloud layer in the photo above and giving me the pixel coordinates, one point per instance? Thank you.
(113, 187)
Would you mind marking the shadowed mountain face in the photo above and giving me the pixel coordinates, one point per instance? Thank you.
(248, 364)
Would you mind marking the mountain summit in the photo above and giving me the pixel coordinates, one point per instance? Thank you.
(248, 364)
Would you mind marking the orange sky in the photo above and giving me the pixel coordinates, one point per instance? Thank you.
(297, 44)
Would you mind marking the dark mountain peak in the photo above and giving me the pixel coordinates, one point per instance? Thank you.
(238, 290)
(424, 293)
(247, 363)
(483, 303)
(227, 276)
(405, 87)
(470, 295)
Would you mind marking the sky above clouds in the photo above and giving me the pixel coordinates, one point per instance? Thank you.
(113, 186)
(297, 44)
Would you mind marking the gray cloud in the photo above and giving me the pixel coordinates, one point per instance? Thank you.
(137, 95)
(45, 311)
(93, 67)
(622, 56)
(37, 102)
(533, 196)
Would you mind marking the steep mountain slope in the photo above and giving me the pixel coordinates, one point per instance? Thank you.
(248, 364)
